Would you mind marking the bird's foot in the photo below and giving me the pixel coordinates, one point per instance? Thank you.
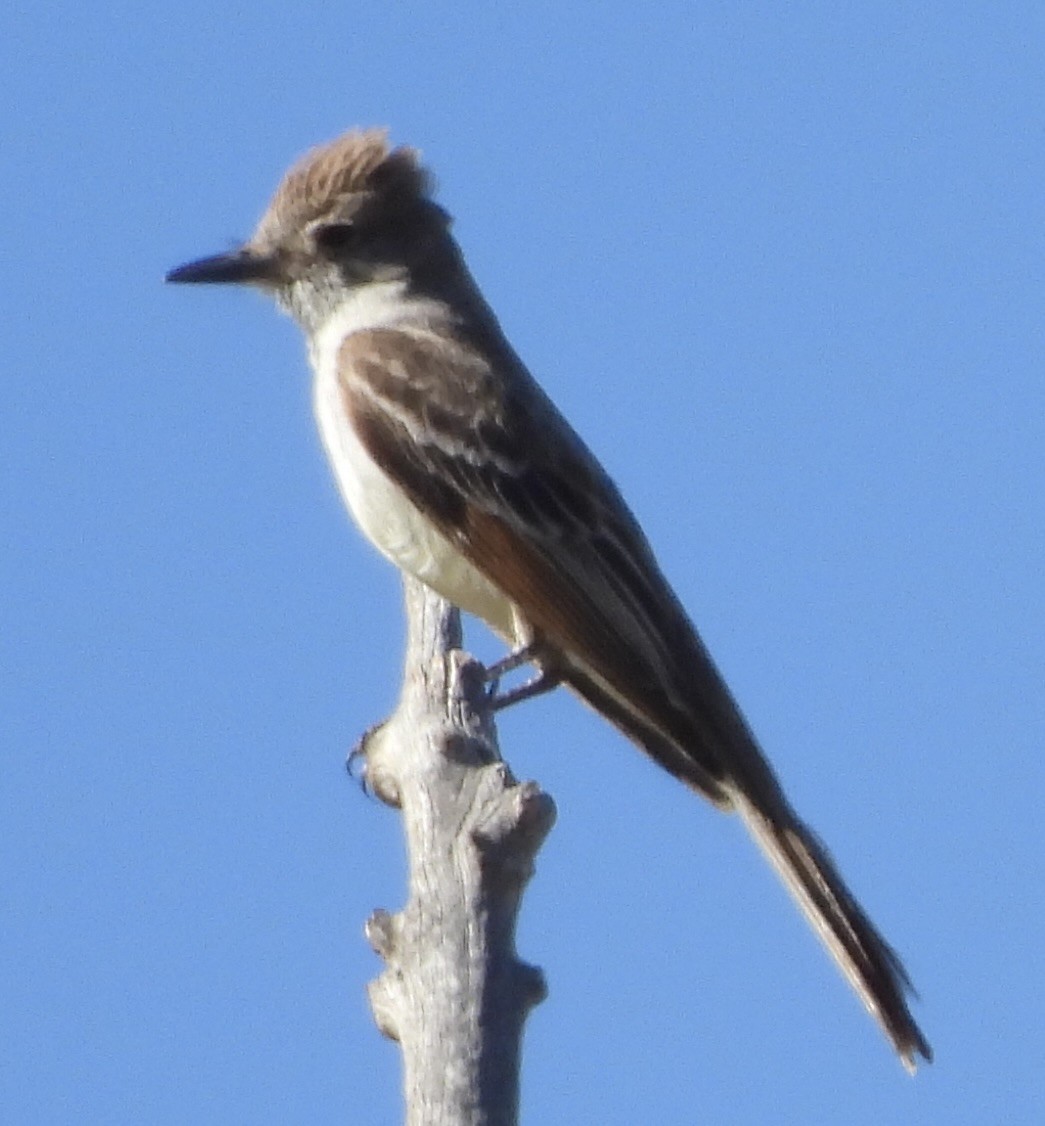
(547, 677)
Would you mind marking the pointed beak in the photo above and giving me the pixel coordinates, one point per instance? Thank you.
(238, 267)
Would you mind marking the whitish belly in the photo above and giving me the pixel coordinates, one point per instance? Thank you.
(395, 527)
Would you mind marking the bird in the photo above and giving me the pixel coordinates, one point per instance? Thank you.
(458, 467)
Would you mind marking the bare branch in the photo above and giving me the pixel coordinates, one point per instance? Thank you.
(453, 992)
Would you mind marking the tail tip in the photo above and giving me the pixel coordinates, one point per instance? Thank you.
(913, 1046)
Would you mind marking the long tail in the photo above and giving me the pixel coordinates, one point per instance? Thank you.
(864, 957)
(751, 789)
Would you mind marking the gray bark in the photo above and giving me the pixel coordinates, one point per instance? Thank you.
(453, 993)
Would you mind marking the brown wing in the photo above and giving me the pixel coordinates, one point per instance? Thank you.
(513, 487)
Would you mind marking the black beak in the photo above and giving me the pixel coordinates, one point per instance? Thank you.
(235, 268)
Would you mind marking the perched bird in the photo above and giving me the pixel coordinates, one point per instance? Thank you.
(461, 470)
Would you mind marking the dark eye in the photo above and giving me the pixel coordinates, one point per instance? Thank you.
(335, 238)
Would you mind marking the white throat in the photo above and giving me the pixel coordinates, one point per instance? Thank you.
(374, 305)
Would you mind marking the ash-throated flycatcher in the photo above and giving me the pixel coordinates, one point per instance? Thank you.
(460, 469)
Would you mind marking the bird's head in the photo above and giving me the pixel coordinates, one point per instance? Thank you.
(349, 213)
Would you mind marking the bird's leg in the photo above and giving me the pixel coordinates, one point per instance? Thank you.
(545, 680)
(541, 683)
(531, 650)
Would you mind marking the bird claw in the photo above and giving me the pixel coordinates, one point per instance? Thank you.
(545, 680)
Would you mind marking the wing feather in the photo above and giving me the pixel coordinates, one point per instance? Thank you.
(517, 492)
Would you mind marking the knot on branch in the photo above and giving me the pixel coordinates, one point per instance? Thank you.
(511, 827)
(530, 984)
(380, 931)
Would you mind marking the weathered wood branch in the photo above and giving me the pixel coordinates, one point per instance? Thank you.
(453, 993)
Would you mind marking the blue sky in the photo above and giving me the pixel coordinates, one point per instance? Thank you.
(782, 267)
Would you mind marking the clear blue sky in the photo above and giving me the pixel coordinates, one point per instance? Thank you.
(782, 266)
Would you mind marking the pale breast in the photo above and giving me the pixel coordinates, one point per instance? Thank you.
(388, 519)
